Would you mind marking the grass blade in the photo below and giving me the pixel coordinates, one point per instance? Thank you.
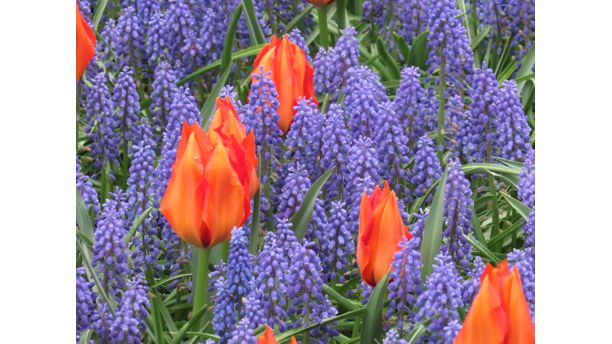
(83, 220)
(372, 326)
(517, 205)
(432, 237)
(207, 109)
(255, 30)
(195, 319)
(137, 222)
(301, 218)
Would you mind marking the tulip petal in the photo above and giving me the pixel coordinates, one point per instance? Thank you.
(226, 122)
(364, 251)
(85, 44)
(285, 79)
(181, 204)
(267, 337)
(486, 322)
(522, 329)
(224, 196)
(390, 232)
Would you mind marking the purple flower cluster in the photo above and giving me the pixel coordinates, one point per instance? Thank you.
(526, 185)
(110, 252)
(365, 95)
(524, 261)
(303, 140)
(129, 322)
(336, 141)
(242, 334)
(409, 104)
(339, 245)
(404, 281)
(127, 102)
(448, 43)
(406, 17)
(511, 123)
(392, 144)
(85, 301)
(392, 337)
(481, 123)
(426, 169)
(441, 297)
(87, 191)
(458, 206)
(331, 65)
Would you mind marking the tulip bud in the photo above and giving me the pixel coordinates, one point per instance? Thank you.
(320, 2)
(499, 312)
(292, 75)
(380, 231)
(213, 178)
(268, 337)
(85, 44)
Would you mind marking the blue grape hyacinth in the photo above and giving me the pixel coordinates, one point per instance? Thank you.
(426, 169)
(85, 301)
(365, 95)
(511, 123)
(128, 325)
(441, 297)
(524, 261)
(339, 245)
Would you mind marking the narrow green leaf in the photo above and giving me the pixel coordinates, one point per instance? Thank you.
(492, 257)
(481, 35)
(158, 327)
(255, 30)
(432, 237)
(99, 11)
(137, 222)
(372, 326)
(207, 109)
(389, 61)
(226, 57)
(510, 163)
(506, 233)
(83, 220)
(517, 205)
(417, 333)
(195, 319)
(296, 20)
(478, 228)
(419, 51)
(85, 337)
(489, 167)
(507, 72)
(170, 279)
(402, 45)
(341, 300)
(246, 52)
(527, 63)
(288, 334)
(301, 218)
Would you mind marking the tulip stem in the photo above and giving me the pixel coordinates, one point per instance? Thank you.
(200, 288)
(341, 11)
(323, 30)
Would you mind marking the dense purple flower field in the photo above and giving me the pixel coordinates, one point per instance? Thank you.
(435, 97)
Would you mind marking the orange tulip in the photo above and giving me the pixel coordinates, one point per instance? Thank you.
(213, 178)
(292, 75)
(499, 312)
(85, 44)
(268, 337)
(320, 2)
(380, 231)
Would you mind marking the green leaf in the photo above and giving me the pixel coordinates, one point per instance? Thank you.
(499, 238)
(510, 163)
(207, 109)
(527, 63)
(417, 333)
(226, 57)
(189, 325)
(85, 337)
(158, 328)
(288, 334)
(170, 279)
(401, 44)
(83, 220)
(137, 222)
(246, 52)
(419, 51)
(432, 237)
(388, 60)
(99, 11)
(517, 205)
(341, 300)
(92, 275)
(255, 30)
(481, 35)
(301, 218)
(372, 326)
(492, 257)
(296, 20)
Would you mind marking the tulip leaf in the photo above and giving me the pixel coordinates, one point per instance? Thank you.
(432, 236)
(207, 109)
(255, 30)
(419, 51)
(517, 205)
(372, 326)
(301, 218)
